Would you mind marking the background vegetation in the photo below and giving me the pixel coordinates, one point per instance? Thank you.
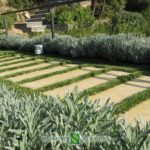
(108, 16)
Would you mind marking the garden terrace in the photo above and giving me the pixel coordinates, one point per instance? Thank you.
(56, 77)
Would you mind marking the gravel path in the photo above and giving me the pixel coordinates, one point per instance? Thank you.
(57, 78)
(120, 92)
(87, 83)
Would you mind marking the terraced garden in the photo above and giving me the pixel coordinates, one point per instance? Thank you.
(127, 87)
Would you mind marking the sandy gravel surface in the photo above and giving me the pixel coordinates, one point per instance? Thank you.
(140, 112)
(57, 78)
(87, 83)
(24, 69)
(120, 92)
(38, 73)
(20, 64)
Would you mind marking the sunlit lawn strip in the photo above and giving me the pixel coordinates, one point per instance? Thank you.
(73, 80)
(132, 101)
(110, 84)
(48, 75)
(21, 66)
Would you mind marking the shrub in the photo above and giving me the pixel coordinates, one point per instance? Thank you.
(137, 5)
(11, 42)
(103, 27)
(29, 122)
(127, 22)
(22, 4)
(109, 8)
(121, 48)
(10, 21)
(79, 17)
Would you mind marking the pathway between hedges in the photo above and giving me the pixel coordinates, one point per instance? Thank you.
(54, 78)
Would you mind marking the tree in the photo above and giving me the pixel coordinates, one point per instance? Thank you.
(137, 5)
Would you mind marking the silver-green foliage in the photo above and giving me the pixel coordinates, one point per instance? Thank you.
(121, 47)
(11, 42)
(24, 120)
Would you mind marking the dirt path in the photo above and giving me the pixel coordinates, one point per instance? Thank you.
(87, 83)
(120, 92)
(57, 78)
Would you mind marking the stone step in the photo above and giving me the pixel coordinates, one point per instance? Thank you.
(32, 24)
(38, 28)
(42, 11)
(58, 78)
(141, 112)
(35, 19)
(85, 84)
(38, 16)
(122, 91)
(22, 26)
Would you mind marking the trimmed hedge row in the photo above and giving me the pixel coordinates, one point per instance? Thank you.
(121, 47)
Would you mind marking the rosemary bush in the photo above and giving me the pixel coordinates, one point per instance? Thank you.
(121, 48)
(24, 121)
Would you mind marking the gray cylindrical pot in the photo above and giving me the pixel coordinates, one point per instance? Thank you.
(38, 49)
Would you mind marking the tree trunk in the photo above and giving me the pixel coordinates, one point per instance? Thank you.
(93, 6)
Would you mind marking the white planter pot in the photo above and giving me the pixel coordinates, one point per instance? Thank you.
(38, 49)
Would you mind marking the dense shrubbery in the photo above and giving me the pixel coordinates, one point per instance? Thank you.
(79, 17)
(28, 122)
(108, 8)
(11, 42)
(23, 3)
(137, 5)
(127, 22)
(121, 47)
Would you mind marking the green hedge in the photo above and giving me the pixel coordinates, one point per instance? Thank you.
(130, 22)
(120, 48)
